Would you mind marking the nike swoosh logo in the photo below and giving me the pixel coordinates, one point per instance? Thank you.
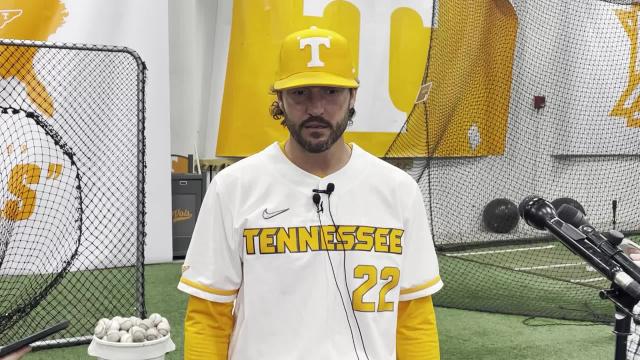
(268, 215)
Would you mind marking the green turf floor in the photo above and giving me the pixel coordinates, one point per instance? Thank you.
(492, 281)
(463, 334)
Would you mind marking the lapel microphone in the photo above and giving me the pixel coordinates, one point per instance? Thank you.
(316, 195)
(328, 190)
(316, 200)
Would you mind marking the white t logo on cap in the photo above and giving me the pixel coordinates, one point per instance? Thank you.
(314, 43)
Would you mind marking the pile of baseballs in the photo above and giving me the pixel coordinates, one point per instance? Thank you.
(132, 329)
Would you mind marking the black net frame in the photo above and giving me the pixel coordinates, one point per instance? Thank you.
(90, 100)
(486, 263)
(17, 310)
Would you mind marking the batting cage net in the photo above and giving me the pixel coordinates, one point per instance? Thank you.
(530, 98)
(72, 196)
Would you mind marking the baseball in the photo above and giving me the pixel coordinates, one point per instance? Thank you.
(126, 338)
(100, 330)
(126, 324)
(155, 318)
(113, 336)
(106, 322)
(148, 323)
(132, 329)
(137, 334)
(164, 328)
(152, 334)
(115, 326)
(134, 321)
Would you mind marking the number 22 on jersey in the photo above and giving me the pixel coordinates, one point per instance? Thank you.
(370, 273)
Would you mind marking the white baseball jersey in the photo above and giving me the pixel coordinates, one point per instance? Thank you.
(261, 241)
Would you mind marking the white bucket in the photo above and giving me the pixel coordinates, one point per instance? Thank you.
(148, 350)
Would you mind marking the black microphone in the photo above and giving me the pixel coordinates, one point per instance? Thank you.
(540, 214)
(328, 191)
(316, 200)
(576, 218)
(330, 188)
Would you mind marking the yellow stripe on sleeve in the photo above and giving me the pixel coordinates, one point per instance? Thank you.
(207, 289)
(428, 284)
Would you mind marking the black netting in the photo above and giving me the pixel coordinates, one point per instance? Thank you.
(72, 200)
(563, 126)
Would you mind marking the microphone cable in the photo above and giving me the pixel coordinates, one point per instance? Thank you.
(316, 201)
(344, 270)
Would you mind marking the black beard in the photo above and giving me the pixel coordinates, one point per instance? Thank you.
(315, 147)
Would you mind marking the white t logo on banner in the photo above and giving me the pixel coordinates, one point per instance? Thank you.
(8, 16)
(374, 101)
(314, 43)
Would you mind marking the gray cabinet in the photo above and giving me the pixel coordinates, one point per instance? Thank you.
(187, 192)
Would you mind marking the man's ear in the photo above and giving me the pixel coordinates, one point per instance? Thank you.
(352, 98)
(279, 99)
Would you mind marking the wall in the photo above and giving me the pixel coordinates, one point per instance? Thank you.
(142, 26)
(191, 38)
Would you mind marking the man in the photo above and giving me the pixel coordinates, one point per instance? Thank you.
(324, 248)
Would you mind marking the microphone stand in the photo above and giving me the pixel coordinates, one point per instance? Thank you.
(624, 291)
(624, 304)
(624, 301)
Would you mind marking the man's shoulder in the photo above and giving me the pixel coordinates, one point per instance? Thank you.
(381, 168)
(253, 164)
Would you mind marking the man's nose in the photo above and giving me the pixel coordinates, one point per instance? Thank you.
(315, 107)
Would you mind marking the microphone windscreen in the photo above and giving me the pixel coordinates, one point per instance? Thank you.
(536, 211)
(316, 198)
(330, 188)
(571, 215)
(526, 204)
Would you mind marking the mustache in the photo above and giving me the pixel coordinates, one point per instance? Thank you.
(315, 119)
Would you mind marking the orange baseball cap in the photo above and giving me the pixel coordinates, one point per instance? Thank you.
(315, 57)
